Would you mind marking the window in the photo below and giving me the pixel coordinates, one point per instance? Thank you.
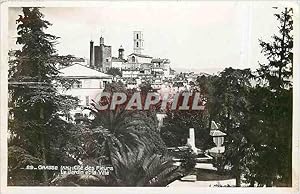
(87, 100)
(133, 59)
(137, 44)
(137, 36)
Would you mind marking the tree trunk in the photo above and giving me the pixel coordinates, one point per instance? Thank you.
(209, 122)
(237, 174)
(238, 179)
(45, 174)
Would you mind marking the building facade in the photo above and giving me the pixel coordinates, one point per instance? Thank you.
(90, 84)
(100, 56)
(117, 62)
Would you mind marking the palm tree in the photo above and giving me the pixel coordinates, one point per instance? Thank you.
(141, 168)
(128, 129)
(126, 140)
(132, 168)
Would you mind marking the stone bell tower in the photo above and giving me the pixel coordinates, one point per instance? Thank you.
(121, 52)
(138, 42)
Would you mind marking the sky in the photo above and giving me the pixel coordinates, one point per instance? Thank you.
(196, 36)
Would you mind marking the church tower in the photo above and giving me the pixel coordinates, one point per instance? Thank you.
(91, 53)
(138, 42)
(121, 53)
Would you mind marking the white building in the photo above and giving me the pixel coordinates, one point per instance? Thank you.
(117, 63)
(90, 83)
(131, 73)
(161, 66)
(139, 58)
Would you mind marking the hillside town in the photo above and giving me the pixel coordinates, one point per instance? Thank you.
(135, 69)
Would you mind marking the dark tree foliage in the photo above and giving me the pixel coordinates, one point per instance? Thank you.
(270, 133)
(114, 71)
(188, 161)
(279, 69)
(175, 129)
(271, 116)
(207, 90)
(37, 129)
(145, 88)
(231, 90)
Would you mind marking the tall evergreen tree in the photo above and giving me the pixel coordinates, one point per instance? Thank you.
(271, 115)
(279, 69)
(37, 125)
(270, 133)
(231, 92)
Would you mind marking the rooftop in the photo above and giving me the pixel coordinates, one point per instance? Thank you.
(78, 70)
(159, 60)
(116, 59)
(216, 133)
(140, 55)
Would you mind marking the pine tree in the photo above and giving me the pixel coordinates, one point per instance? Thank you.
(279, 69)
(271, 116)
(37, 110)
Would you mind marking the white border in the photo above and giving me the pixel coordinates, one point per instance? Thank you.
(133, 190)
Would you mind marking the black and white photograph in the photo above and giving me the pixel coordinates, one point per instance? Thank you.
(176, 94)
